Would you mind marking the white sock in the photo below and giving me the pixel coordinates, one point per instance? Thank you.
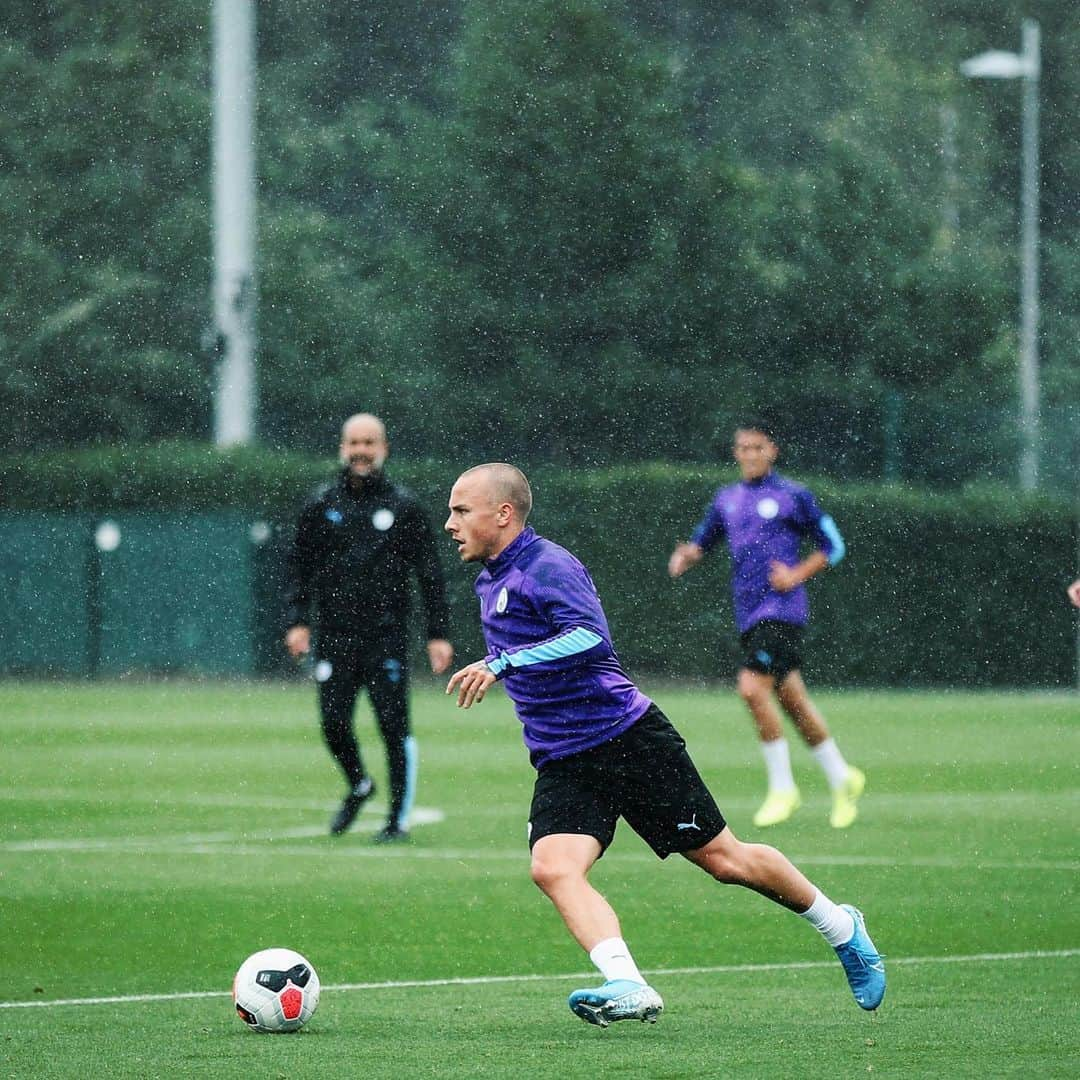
(836, 925)
(778, 764)
(832, 762)
(613, 959)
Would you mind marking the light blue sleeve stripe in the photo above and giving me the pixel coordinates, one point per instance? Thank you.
(578, 640)
(839, 549)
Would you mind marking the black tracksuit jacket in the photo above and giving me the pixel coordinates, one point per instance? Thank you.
(355, 549)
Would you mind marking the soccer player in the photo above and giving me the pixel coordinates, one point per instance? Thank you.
(765, 518)
(603, 750)
(357, 544)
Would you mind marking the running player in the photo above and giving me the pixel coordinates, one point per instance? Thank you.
(765, 518)
(603, 750)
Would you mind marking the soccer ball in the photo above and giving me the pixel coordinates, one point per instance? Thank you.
(275, 990)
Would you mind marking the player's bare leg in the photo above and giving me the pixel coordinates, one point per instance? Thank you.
(769, 872)
(755, 866)
(560, 867)
(756, 690)
(797, 703)
(782, 798)
(845, 781)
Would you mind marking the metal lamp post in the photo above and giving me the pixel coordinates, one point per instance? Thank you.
(1024, 65)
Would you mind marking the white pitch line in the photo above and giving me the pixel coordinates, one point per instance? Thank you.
(421, 815)
(489, 980)
(938, 862)
(261, 844)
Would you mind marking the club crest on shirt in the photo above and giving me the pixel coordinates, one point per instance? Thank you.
(502, 600)
(768, 508)
(382, 519)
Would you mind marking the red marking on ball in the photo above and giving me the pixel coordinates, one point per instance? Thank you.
(292, 1001)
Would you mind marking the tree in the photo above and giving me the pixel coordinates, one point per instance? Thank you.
(547, 220)
(103, 211)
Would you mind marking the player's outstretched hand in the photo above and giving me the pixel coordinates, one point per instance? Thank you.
(1074, 592)
(683, 558)
(472, 683)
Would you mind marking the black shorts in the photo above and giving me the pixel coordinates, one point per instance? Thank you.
(644, 775)
(773, 648)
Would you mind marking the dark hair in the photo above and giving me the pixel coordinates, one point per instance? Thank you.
(759, 423)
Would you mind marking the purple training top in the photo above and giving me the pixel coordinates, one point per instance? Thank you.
(766, 520)
(548, 640)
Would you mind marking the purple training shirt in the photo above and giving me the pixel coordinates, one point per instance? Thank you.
(766, 520)
(548, 640)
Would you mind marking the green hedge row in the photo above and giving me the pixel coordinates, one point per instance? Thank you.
(959, 588)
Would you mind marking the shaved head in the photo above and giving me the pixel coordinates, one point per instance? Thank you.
(364, 448)
(362, 420)
(506, 483)
(489, 505)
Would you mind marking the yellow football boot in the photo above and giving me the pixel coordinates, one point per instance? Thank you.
(844, 798)
(778, 806)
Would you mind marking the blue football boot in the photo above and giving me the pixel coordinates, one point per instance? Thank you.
(617, 999)
(862, 962)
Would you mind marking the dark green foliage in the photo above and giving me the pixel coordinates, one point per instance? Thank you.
(566, 229)
(555, 200)
(168, 476)
(103, 212)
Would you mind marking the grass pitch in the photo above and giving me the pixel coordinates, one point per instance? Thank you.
(152, 836)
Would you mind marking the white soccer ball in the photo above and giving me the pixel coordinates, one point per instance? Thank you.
(275, 990)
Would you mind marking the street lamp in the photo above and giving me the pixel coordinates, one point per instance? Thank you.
(1024, 65)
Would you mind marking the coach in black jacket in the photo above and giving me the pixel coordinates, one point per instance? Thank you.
(357, 544)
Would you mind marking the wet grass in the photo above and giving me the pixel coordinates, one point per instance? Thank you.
(153, 835)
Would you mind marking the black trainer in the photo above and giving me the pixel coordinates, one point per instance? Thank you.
(351, 806)
(391, 834)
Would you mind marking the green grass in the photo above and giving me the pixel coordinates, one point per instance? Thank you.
(145, 849)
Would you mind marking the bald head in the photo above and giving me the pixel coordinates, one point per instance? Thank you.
(507, 484)
(364, 447)
(489, 505)
(364, 421)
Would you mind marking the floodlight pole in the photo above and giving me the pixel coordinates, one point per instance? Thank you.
(1029, 300)
(1026, 66)
(234, 220)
